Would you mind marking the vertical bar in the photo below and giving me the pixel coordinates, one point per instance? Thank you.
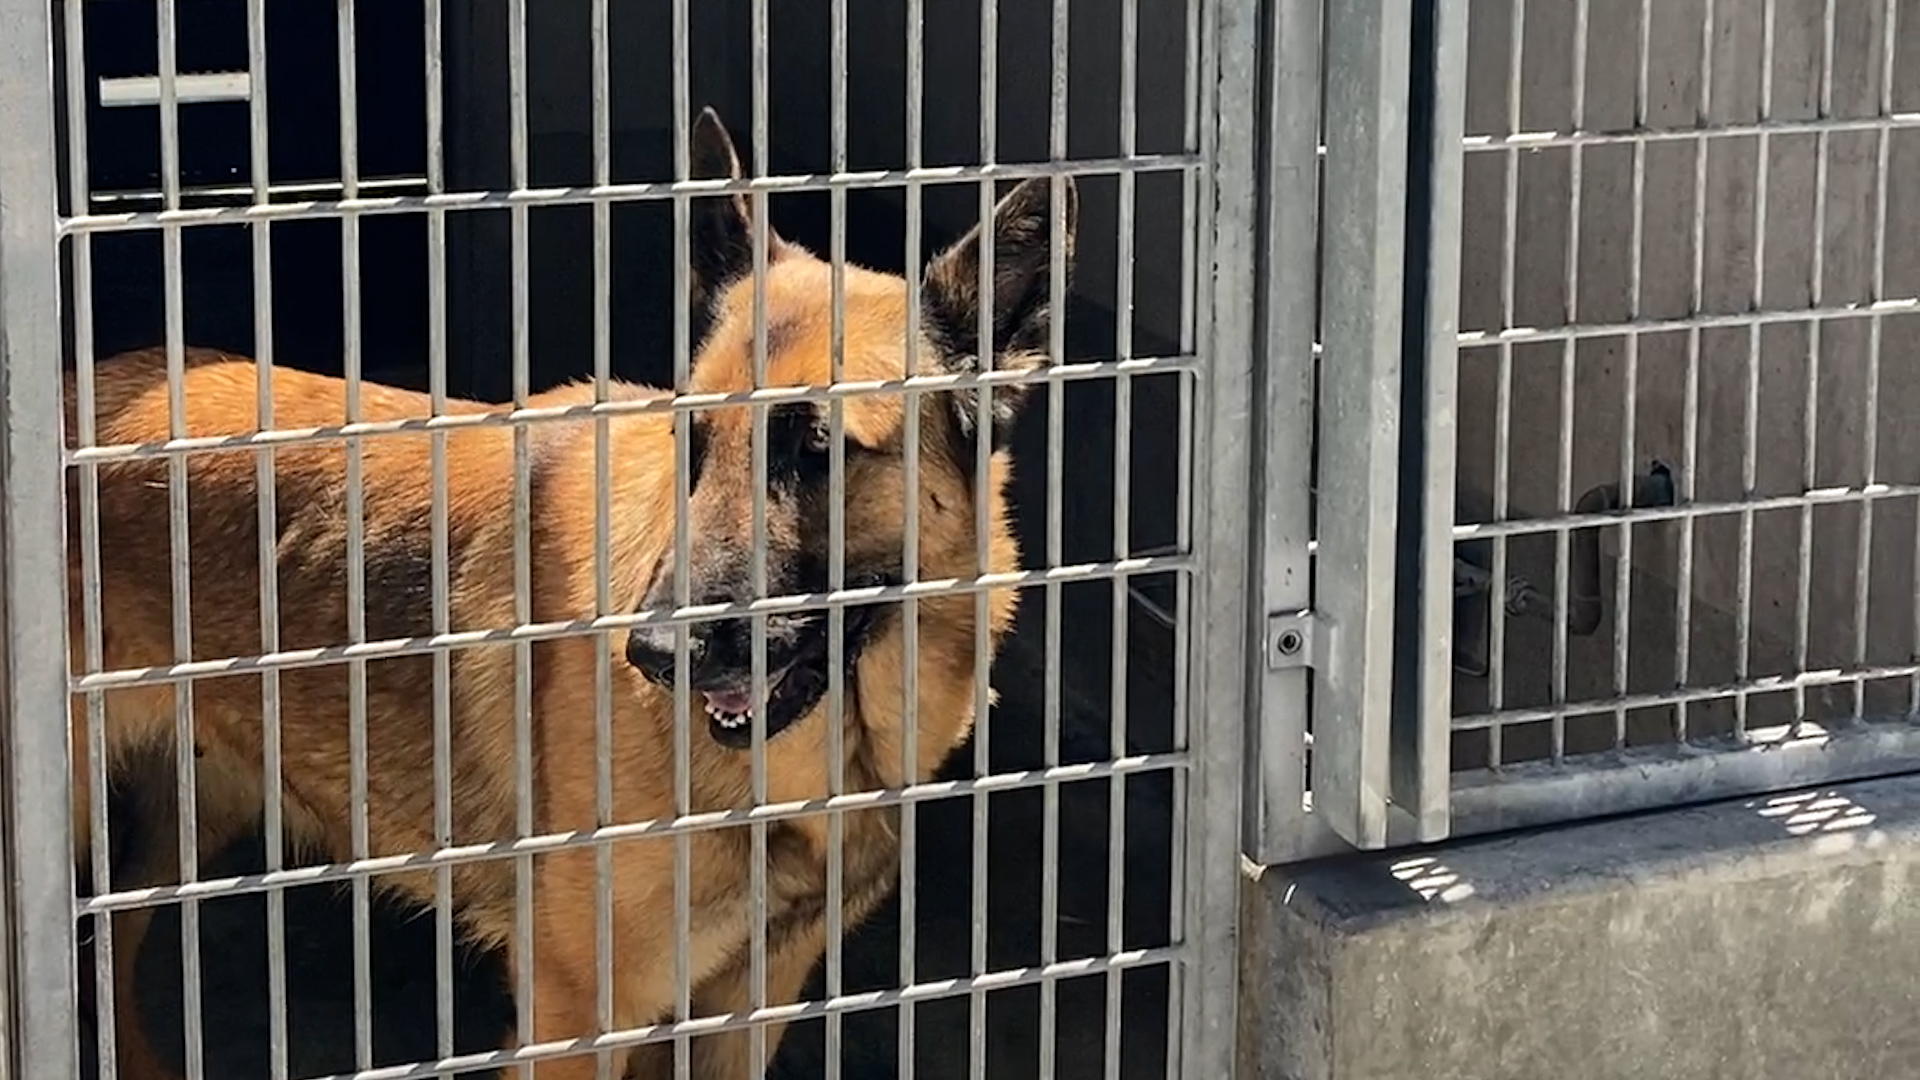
(1690, 412)
(356, 537)
(982, 463)
(1366, 168)
(910, 542)
(41, 1037)
(1057, 87)
(1629, 398)
(837, 536)
(1503, 394)
(757, 879)
(1569, 355)
(522, 530)
(682, 487)
(1122, 522)
(1750, 450)
(1809, 450)
(1422, 756)
(261, 173)
(1195, 239)
(1870, 430)
(1222, 485)
(1277, 823)
(437, 517)
(79, 188)
(179, 570)
(602, 532)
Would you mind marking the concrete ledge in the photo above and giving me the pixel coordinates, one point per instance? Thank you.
(1775, 938)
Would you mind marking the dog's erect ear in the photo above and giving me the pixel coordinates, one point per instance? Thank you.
(722, 242)
(1021, 282)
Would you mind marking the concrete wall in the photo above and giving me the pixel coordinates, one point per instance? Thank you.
(1796, 269)
(1765, 939)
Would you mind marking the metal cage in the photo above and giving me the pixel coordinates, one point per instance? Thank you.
(479, 201)
(1610, 507)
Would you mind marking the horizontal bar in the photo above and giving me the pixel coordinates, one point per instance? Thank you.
(247, 194)
(776, 605)
(547, 843)
(920, 992)
(665, 403)
(1533, 794)
(1739, 321)
(1541, 140)
(1834, 496)
(135, 90)
(640, 192)
(1771, 684)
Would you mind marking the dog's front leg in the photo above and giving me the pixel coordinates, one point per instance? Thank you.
(729, 1055)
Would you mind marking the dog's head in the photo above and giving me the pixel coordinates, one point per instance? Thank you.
(799, 447)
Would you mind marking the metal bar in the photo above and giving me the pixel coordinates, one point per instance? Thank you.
(1833, 496)
(910, 178)
(1690, 422)
(79, 194)
(1218, 671)
(1889, 57)
(179, 549)
(1810, 405)
(435, 75)
(907, 795)
(261, 174)
(1122, 524)
(682, 403)
(1733, 689)
(1003, 979)
(1423, 748)
(198, 88)
(603, 802)
(1275, 809)
(1667, 776)
(1706, 130)
(1366, 168)
(835, 963)
(1750, 450)
(1569, 356)
(684, 716)
(1622, 613)
(523, 951)
(41, 1037)
(1503, 407)
(985, 280)
(396, 647)
(1058, 85)
(910, 539)
(757, 870)
(356, 535)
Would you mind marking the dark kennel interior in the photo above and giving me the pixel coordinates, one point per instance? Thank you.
(217, 304)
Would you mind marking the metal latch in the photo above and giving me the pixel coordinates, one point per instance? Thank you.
(1475, 590)
(194, 89)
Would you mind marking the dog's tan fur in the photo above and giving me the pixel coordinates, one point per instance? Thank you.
(219, 397)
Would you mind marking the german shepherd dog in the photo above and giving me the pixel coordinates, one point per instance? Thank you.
(219, 398)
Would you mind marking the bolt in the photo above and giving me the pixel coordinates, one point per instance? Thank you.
(1290, 642)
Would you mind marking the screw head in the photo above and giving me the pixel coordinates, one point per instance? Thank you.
(1289, 643)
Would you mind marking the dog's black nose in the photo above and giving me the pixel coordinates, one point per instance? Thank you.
(650, 650)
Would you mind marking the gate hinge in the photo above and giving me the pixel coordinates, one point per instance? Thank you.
(1291, 637)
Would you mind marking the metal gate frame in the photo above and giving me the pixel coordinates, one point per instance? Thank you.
(1357, 577)
(40, 985)
(1351, 750)
(40, 919)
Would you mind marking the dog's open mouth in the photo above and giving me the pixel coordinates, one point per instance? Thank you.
(793, 689)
